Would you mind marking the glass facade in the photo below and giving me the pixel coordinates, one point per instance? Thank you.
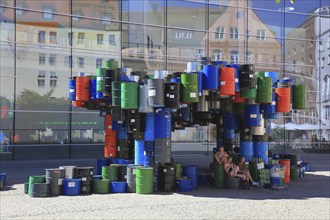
(45, 43)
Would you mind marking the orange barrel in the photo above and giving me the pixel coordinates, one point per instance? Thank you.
(108, 122)
(286, 163)
(282, 99)
(238, 98)
(79, 103)
(110, 147)
(227, 81)
(82, 88)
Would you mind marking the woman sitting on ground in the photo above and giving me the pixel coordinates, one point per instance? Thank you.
(246, 172)
(232, 170)
(221, 156)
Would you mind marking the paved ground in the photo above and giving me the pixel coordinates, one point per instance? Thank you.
(306, 199)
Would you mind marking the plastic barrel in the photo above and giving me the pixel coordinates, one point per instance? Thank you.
(144, 180)
(191, 172)
(273, 75)
(39, 189)
(156, 92)
(276, 181)
(110, 64)
(162, 150)
(123, 131)
(184, 185)
(92, 86)
(118, 187)
(178, 170)
(203, 104)
(295, 159)
(100, 83)
(139, 152)
(261, 150)
(110, 173)
(136, 121)
(189, 92)
(298, 97)
(248, 93)
(264, 90)
(116, 93)
(122, 172)
(55, 179)
(110, 147)
(129, 95)
(144, 106)
(172, 95)
(308, 166)
(100, 163)
(211, 77)
(282, 99)
(149, 134)
(246, 150)
(26, 187)
(124, 150)
(166, 178)
(204, 179)
(238, 98)
(269, 110)
(227, 81)
(71, 187)
(252, 115)
(101, 186)
(236, 73)
(163, 123)
(254, 171)
(131, 178)
(219, 175)
(72, 89)
(259, 130)
(286, 163)
(230, 121)
(35, 179)
(85, 174)
(82, 88)
(246, 76)
(294, 173)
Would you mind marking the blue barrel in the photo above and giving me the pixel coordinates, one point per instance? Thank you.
(122, 134)
(96, 177)
(138, 152)
(200, 82)
(163, 123)
(191, 172)
(149, 134)
(204, 179)
(3, 177)
(120, 161)
(252, 115)
(236, 67)
(307, 166)
(92, 88)
(71, 187)
(117, 187)
(269, 110)
(230, 121)
(100, 163)
(72, 92)
(99, 95)
(246, 150)
(273, 75)
(276, 181)
(211, 77)
(230, 134)
(115, 126)
(261, 150)
(184, 185)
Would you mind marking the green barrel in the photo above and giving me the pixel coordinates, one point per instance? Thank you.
(36, 179)
(264, 176)
(110, 64)
(294, 173)
(254, 171)
(219, 176)
(250, 93)
(26, 187)
(264, 89)
(259, 74)
(298, 97)
(144, 180)
(110, 173)
(178, 170)
(100, 79)
(116, 93)
(189, 87)
(101, 186)
(129, 95)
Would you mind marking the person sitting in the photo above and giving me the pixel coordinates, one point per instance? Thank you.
(245, 171)
(221, 156)
(232, 170)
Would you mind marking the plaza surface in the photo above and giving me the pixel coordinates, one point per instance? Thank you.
(306, 199)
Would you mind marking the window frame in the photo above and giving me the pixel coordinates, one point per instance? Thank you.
(234, 33)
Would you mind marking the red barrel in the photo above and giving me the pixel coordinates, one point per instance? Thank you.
(227, 81)
(286, 163)
(108, 123)
(110, 146)
(238, 98)
(82, 88)
(79, 104)
(282, 99)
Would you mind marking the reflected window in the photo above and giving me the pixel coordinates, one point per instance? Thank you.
(48, 14)
(81, 38)
(53, 79)
(41, 36)
(76, 16)
(234, 56)
(68, 61)
(19, 10)
(217, 55)
(52, 60)
(183, 35)
(70, 37)
(41, 78)
(81, 62)
(248, 57)
(233, 33)
(248, 34)
(53, 37)
(42, 59)
(240, 14)
(112, 39)
(99, 62)
(220, 34)
(106, 18)
(261, 34)
(99, 38)
(199, 53)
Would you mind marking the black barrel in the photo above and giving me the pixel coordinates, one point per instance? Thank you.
(246, 76)
(122, 172)
(85, 174)
(245, 132)
(156, 92)
(54, 177)
(109, 77)
(162, 150)
(117, 113)
(172, 95)
(39, 190)
(136, 121)
(226, 104)
(214, 100)
(167, 178)
(123, 149)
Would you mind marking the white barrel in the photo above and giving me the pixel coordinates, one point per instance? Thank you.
(69, 171)
(144, 107)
